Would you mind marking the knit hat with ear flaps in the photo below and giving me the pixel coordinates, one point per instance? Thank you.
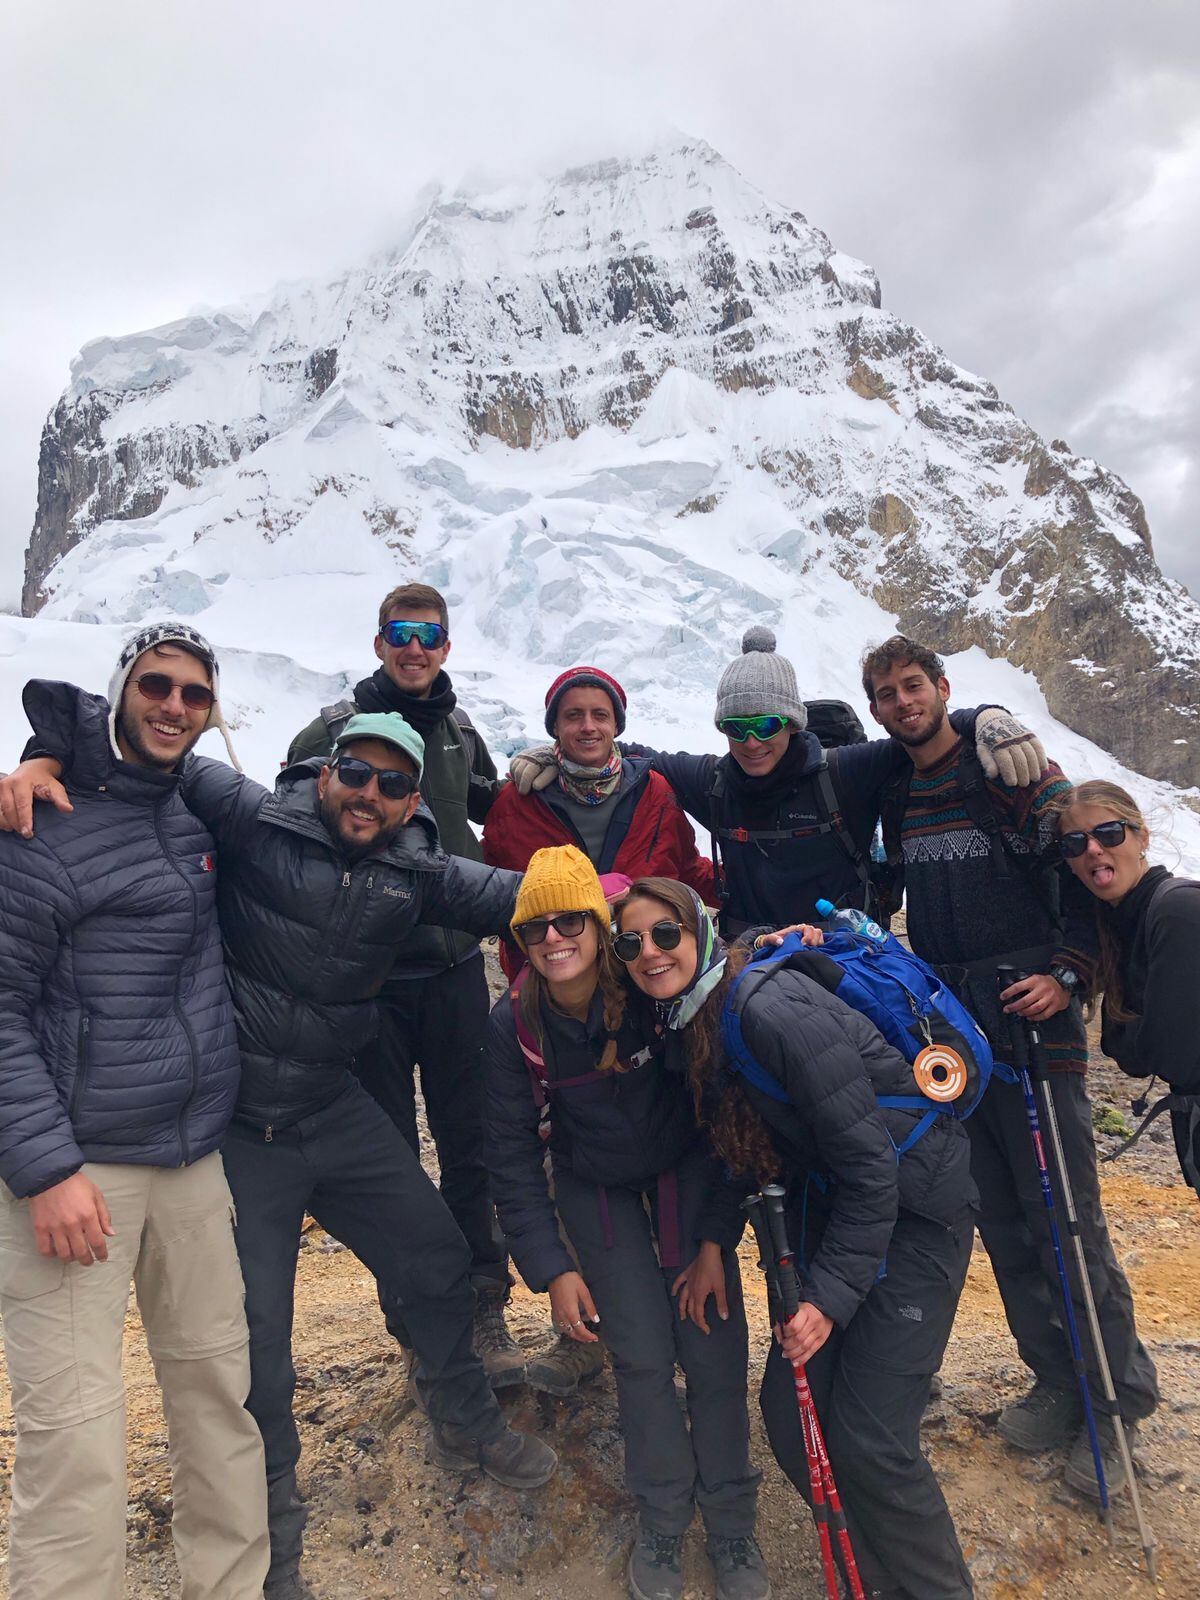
(760, 683)
(559, 878)
(167, 633)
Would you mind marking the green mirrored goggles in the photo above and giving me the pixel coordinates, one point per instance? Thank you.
(741, 728)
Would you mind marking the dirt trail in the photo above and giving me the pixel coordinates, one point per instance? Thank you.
(386, 1524)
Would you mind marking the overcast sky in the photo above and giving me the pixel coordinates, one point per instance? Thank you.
(1025, 177)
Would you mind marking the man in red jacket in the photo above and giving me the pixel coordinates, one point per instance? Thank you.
(626, 819)
(623, 816)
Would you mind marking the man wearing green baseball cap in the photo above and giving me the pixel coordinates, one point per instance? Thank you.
(318, 883)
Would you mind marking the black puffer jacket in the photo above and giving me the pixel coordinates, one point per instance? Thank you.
(833, 1062)
(621, 1131)
(309, 937)
(1157, 928)
(116, 1028)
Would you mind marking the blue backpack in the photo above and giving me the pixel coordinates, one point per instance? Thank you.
(907, 1002)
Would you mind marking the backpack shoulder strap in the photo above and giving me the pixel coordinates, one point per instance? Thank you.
(830, 804)
(973, 791)
(469, 732)
(716, 795)
(336, 716)
(748, 981)
(534, 1059)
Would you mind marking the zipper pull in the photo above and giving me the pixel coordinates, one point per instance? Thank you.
(86, 1026)
(345, 880)
(268, 1133)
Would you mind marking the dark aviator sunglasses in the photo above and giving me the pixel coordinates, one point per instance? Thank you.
(429, 635)
(1106, 834)
(568, 925)
(157, 687)
(356, 774)
(664, 935)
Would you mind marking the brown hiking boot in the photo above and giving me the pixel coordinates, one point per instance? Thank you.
(502, 1357)
(561, 1369)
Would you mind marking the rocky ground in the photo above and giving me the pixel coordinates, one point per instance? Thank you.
(384, 1523)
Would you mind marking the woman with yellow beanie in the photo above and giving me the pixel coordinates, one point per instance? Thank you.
(631, 1169)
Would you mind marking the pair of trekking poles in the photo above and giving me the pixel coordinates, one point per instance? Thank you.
(776, 1260)
(1030, 1062)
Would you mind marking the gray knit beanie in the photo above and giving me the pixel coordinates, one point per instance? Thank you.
(760, 683)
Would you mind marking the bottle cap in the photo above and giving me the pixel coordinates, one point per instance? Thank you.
(826, 907)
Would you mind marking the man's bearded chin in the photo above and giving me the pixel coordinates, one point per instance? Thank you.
(353, 849)
(133, 738)
(914, 741)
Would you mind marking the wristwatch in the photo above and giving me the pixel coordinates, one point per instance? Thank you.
(1066, 977)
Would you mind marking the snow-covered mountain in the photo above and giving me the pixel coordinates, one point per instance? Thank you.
(616, 416)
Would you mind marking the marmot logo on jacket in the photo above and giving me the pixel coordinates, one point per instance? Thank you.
(397, 894)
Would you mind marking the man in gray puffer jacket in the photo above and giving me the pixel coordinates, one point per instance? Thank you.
(318, 882)
(118, 1075)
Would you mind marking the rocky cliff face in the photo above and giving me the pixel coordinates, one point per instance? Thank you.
(641, 378)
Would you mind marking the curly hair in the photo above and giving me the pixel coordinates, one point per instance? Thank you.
(535, 994)
(1109, 797)
(738, 1134)
(898, 651)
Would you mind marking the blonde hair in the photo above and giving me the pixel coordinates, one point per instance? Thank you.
(1106, 796)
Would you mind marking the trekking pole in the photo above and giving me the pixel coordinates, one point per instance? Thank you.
(1108, 1388)
(776, 1261)
(1022, 1054)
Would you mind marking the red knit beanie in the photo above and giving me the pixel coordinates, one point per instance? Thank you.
(584, 678)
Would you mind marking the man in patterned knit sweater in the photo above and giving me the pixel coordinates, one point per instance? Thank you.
(969, 851)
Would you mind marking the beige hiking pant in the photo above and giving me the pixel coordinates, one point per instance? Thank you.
(63, 1325)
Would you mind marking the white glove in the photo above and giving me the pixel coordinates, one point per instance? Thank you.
(1007, 751)
(533, 769)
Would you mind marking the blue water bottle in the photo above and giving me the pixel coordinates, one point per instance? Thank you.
(851, 921)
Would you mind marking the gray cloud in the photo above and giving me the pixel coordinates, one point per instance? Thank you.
(1024, 176)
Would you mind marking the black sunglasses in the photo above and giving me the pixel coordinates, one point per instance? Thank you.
(665, 935)
(568, 925)
(429, 635)
(157, 687)
(1107, 834)
(356, 774)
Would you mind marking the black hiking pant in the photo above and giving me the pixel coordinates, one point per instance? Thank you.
(1016, 1234)
(617, 1235)
(350, 1168)
(870, 1382)
(439, 1023)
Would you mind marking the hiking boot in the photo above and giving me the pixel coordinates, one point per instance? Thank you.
(1081, 1464)
(656, 1567)
(292, 1587)
(502, 1357)
(740, 1568)
(517, 1460)
(561, 1369)
(1046, 1418)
